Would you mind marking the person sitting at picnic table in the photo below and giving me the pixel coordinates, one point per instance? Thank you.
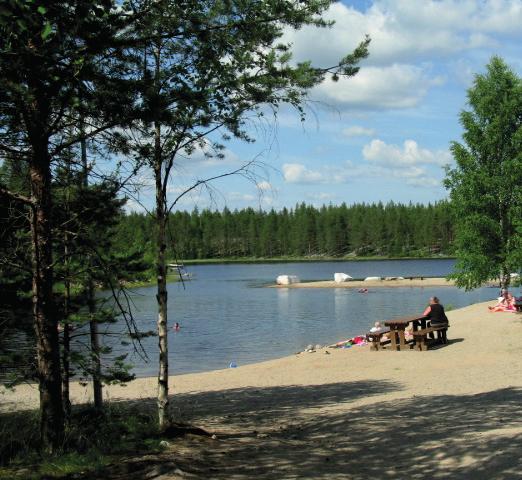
(435, 312)
(506, 303)
(408, 333)
(377, 327)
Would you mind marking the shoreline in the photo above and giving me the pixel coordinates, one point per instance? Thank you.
(306, 368)
(450, 412)
(406, 282)
(172, 277)
(248, 260)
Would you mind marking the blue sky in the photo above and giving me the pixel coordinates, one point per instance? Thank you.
(382, 135)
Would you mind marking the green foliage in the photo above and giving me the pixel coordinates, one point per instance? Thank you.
(85, 217)
(58, 67)
(92, 440)
(486, 184)
(48, 49)
(15, 261)
(224, 61)
(328, 232)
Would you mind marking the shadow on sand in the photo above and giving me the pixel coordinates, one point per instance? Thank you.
(279, 432)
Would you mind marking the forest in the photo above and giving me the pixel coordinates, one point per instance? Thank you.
(330, 231)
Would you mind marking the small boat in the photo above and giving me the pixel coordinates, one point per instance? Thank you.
(179, 268)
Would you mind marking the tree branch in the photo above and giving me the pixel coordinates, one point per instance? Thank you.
(240, 170)
(4, 192)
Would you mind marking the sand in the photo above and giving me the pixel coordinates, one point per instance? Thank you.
(451, 412)
(406, 282)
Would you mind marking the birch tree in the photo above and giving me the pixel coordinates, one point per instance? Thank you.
(207, 65)
(486, 184)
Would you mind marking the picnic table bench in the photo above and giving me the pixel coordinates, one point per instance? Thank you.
(421, 336)
(420, 333)
(375, 339)
(398, 326)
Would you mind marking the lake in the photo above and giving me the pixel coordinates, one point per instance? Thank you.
(228, 315)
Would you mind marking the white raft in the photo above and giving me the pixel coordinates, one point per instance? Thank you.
(341, 277)
(287, 279)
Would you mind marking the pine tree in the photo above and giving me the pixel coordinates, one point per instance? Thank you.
(47, 52)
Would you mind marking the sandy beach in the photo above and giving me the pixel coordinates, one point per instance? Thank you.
(451, 412)
(406, 282)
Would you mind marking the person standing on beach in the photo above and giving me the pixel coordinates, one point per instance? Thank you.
(435, 312)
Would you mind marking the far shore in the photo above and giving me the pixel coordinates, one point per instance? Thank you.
(307, 259)
(174, 277)
(406, 282)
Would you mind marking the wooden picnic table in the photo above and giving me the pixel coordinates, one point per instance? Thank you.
(398, 326)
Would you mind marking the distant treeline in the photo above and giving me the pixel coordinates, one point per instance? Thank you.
(331, 231)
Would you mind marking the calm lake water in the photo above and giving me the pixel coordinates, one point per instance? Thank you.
(227, 315)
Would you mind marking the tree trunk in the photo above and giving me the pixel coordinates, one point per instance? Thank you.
(95, 347)
(66, 347)
(161, 267)
(45, 322)
(505, 277)
(161, 272)
(91, 301)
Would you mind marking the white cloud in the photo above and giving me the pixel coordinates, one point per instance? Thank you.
(358, 131)
(463, 71)
(424, 182)
(391, 87)
(298, 173)
(409, 155)
(407, 38)
(408, 29)
(329, 174)
(409, 163)
(187, 196)
(414, 175)
(264, 186)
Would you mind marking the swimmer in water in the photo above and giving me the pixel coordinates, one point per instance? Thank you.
(176, 327)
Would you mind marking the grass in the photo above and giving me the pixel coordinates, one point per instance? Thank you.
(92, 440)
